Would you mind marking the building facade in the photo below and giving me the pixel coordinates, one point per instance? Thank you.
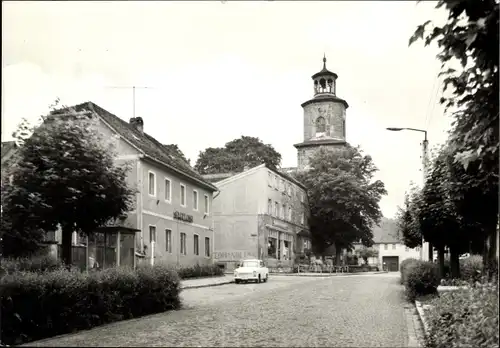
(260, 213)
(324, 118)
(171, 212)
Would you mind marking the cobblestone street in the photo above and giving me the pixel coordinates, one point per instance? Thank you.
(344, 311)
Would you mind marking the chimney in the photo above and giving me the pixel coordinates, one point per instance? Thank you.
(138, 123)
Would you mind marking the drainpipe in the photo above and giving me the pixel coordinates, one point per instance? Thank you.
(213, 225)
(153, 244)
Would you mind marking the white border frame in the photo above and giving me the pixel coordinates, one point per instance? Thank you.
(180, 195)
(154, 186)
(196, 208)
(169, 201)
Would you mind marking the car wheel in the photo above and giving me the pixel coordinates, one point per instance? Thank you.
(237, 281)
(265, 279)
(258, 280)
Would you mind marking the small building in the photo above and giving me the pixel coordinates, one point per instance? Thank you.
(259, 213)
(391, 250)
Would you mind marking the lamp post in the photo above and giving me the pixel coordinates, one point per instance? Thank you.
(424, 170)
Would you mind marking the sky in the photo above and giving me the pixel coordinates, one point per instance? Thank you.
(215, 71)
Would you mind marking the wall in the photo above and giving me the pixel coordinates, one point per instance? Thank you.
(235, 218)
(158, 211)
(334, 113)
(400, 251)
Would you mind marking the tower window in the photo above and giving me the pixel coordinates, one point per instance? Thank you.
(320, 125)
(322, 84)
(330, 85)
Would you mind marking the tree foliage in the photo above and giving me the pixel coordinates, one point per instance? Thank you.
(174, 149)
(235, 155)
(365, 253)
(468, 44)
(407, 220)
(343, 198)
(65, 175)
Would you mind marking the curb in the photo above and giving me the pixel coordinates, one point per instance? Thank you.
(420, 311)
(206, 285)
(325, 274)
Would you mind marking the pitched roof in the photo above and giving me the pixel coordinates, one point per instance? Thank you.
(386, 232)
(144, 143)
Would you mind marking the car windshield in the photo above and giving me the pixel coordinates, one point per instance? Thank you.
(249, 264)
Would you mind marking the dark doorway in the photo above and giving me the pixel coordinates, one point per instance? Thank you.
(391, 263)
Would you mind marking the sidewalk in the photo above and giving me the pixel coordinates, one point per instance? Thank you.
(206, 282)
(324, 274)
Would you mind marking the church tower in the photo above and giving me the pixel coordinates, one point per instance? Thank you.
(324, 117)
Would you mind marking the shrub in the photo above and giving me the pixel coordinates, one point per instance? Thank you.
(40, 305)
(199, 271)
(45, 263)
(421, 278)
(465, 318)
(471, 268)
(403, 266)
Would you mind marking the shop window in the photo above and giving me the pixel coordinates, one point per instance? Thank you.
(271, 247)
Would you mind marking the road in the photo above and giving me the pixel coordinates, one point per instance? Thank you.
(343, 311)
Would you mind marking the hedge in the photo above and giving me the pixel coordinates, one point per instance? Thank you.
(403, 266)
(464, 318)
(35, 264)
(471, 268)
(199, 271)
(39, 305)
(421, 278)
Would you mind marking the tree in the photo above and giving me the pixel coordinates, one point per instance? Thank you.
(65, 175)
(365, 253)
(235, 155)
(343, 198)
(469, 40)
(407, 220)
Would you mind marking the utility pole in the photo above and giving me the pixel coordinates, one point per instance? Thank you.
(133, 93)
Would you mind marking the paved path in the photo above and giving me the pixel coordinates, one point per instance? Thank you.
(358, 311)
(202, 282)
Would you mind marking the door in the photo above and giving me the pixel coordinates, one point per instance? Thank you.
(390, 263)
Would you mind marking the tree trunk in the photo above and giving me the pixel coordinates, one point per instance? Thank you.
(492, 263)
(454, 262)
(338, 251)
(440, 251)
(67, 234)
(431, 253)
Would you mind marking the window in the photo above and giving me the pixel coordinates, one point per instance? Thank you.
(386, 246)
(289, 191)
(207, 247)
(183, 195)
(152, 234)
(168, 190)
(289, 213)
(282, 185)
(196, 245)
(343, 128)
(302, 218)
(269, 179)
(417, 249)
(168, 240)
(152, 184)
(283, 211)
(302, 196)
(276, 182)
(276, 209)
(195, 200)
(183, 244)
(207, 205)
(270, 207)
(271, 247)
(394, 246)
(320, 125)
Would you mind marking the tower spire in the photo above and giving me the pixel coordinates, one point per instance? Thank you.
(324, 61)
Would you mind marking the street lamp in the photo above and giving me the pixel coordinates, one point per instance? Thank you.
(424, 165)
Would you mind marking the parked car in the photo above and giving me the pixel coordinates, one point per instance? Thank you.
(251, 270)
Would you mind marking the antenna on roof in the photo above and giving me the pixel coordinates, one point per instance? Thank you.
(133, 93)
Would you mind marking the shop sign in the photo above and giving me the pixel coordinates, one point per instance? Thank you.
(279, 223)
(233, 255)
(183, 216)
